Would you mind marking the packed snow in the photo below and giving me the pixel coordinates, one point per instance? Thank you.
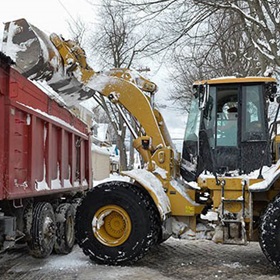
(270, 174)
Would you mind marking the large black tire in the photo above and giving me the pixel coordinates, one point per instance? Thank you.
(65, 232)
(117, 223)
(269, 232)
(42, 230)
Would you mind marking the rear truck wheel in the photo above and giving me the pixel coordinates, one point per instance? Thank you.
(75, 202)
(65, 232)
(42, 230)
(117, 223)
(269, 232)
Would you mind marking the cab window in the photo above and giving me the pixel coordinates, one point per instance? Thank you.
(253, 126)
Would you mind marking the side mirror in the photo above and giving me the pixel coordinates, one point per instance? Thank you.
(271, 90)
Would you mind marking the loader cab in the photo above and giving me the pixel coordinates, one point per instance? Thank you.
(227, 127)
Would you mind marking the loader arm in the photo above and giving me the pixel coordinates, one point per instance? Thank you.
(126, 93)
(127, 88)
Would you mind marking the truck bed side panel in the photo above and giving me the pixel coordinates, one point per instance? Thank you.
(44, 148)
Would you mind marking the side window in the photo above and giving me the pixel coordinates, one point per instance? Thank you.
(253, 126)
(227, 117)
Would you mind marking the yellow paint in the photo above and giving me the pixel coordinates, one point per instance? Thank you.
(276, 147)
(73, 56)
(233, 80)
(111, 225)
(133, 99)
(190, 210)
(180, 205)
(141, 82)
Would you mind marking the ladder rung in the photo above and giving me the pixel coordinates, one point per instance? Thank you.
(231, 221)
(233, 200)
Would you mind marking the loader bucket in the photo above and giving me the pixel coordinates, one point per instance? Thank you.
(31, 49)
(37, 58)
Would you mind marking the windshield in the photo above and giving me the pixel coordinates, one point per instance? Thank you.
(193, 122)
(190, 145)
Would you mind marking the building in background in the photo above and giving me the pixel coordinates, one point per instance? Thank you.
(105, 156)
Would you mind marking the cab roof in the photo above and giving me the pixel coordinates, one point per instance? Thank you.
(236, 80)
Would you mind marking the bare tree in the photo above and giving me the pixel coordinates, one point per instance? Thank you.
(77, 30)
(259, 21)
(261, 25)
(210, 38)
(117, 43)
(220, 50)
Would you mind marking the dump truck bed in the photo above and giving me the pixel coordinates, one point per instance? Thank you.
(44, 148)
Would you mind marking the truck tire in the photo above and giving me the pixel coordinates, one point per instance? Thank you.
(117, 223)
(65, 232)
(75, 202)
(42, 230)
(269, 232)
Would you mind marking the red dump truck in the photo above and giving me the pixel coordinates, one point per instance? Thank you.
(44, 166)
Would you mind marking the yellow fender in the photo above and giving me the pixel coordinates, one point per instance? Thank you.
(270, 176)
(155, 188)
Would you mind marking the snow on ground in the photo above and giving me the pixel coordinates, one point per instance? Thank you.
(76, 265)
(172, 260)
(233, 265)
(73, 261)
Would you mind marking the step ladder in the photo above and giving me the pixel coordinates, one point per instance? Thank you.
(228, 221)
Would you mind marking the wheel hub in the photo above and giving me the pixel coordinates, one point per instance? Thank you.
(111, 225)
(115, 224)
(48, 228)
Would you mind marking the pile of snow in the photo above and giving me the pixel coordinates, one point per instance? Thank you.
(181, 230)
(73, 261)
(203, 231)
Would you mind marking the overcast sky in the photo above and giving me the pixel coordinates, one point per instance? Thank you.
(53, 16)
(50, 16)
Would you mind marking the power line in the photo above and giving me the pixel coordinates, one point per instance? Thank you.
(67, 11)
(92, 4)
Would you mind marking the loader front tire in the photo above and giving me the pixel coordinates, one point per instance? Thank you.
(117, 223)
(269, 232)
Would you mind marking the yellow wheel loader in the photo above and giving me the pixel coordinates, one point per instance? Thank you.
(229, 164)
